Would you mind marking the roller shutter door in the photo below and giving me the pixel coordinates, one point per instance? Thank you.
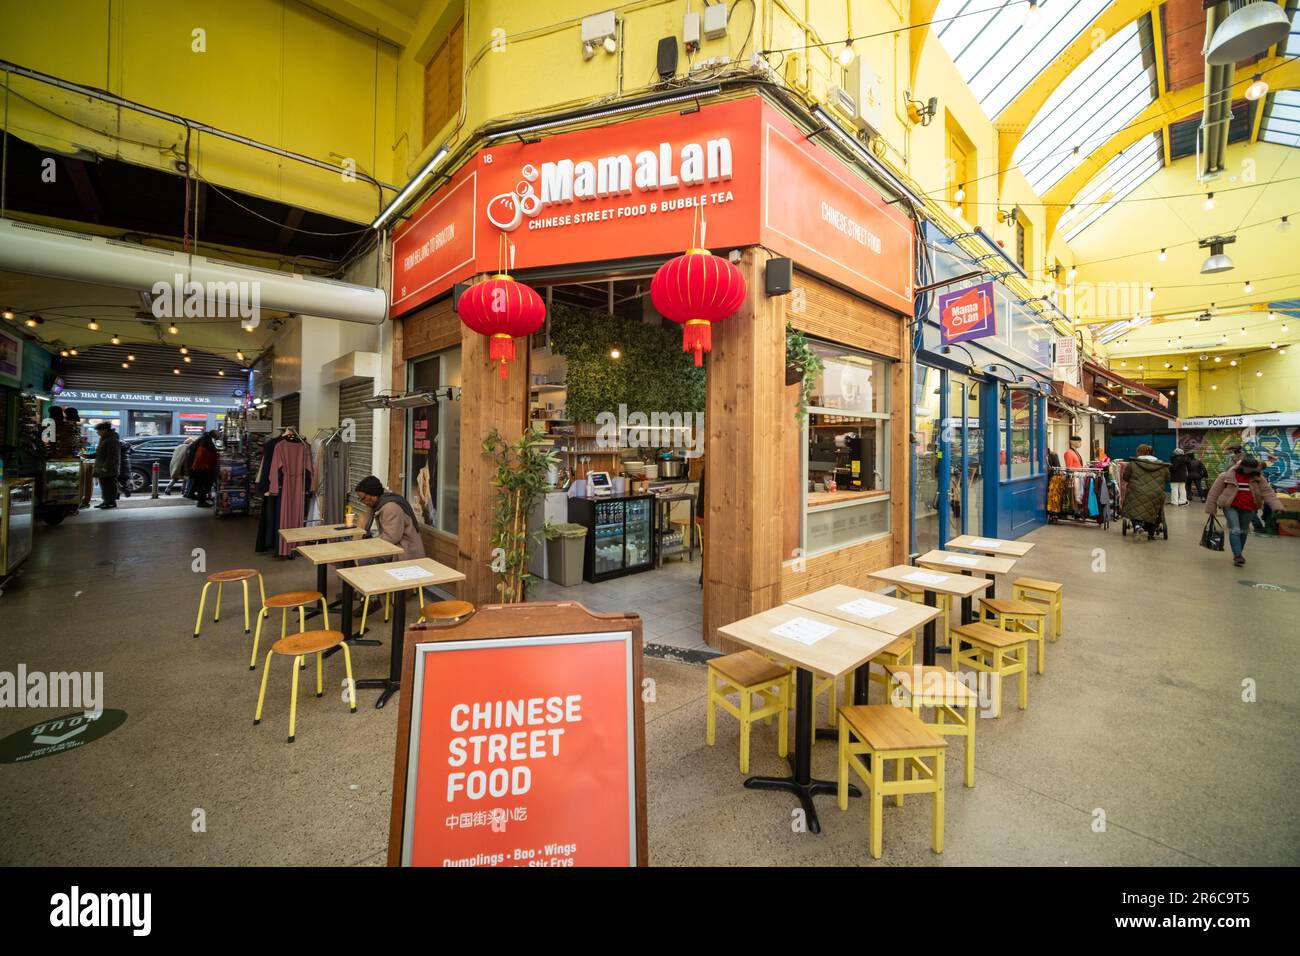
(351, 396)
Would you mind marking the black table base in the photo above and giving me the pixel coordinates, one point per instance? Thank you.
(348, 600)
(801, 782)
(392, 683)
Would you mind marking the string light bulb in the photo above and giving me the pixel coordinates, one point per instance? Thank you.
(173, 330)
(9, 313)
(1233, 363)
(239, 356)
(960, 195)
(126, 365)
(130, 358)
(1249, 287)
(1185, 368)
(1163, 255)
(115, 340)
(176, 371)
(846, 55)
(92, 325)
(1283, 225)
(1259, 373)
(1032, 14)
(1069, 276)
(1209, 201)
(184, 350)
(1272, 345)
(1257, 89)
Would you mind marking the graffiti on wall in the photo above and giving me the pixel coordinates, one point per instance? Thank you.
(1277, 448)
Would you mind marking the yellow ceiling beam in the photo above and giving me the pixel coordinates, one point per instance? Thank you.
(921, 11)
(1015, 118)
(370, 16)
(1283, 73)
(1162, 80)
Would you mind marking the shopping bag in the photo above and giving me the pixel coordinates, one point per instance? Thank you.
(1212, 535)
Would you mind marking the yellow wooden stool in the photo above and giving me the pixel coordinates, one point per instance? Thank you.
(388, 607)
(955, 705)
(1046, 593)
(896, 652)
(1018, 616)
(993, 651)
(286, 601)
(747, 673)
(446, 612)
(220, 578)
(887, 733)
(943, 626)
(298, 647)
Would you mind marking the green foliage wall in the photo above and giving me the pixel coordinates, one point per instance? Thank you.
(653, 374)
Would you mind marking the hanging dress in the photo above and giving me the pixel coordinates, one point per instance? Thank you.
(290, 480)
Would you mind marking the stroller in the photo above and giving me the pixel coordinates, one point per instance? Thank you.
(1142, 498)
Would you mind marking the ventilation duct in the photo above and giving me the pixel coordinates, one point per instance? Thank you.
(1249, 30)
(59, 254)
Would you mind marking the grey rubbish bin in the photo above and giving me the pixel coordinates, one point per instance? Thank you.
(565, 553)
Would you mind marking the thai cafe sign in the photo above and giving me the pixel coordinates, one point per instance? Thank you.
(967, 314)
(717, 177)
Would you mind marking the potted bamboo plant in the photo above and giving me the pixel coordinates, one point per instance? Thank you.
(521, 479)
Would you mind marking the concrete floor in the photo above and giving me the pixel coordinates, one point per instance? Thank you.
(1139, 715)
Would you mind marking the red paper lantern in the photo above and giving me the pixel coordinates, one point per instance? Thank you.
(696, 290)
(503, 309)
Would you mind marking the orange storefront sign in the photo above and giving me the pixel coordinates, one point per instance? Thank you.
(820, 213)
(435, 248)
(641, 188)
(521, 753)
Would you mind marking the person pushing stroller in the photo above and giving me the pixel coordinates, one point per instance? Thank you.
(1145, 477)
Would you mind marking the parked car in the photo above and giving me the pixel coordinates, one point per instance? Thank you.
(147, 449)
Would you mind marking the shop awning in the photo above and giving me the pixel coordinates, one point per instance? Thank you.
(1138, 387)
(1070, 394)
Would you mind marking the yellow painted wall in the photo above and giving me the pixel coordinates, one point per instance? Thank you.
(1239, 390)
(278, 71)
(539, 68)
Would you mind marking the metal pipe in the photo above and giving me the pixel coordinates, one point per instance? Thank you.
(118, 101)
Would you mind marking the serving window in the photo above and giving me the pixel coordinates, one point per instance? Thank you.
(846, 450)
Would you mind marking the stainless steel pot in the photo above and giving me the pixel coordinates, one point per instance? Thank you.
(672, 468)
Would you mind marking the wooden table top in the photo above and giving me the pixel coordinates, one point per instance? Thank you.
(961, 585)
(868, 609)
(994, 546)
(324, 532)
(338, 551)
(953, 561)
(376, 579)
(844, 646)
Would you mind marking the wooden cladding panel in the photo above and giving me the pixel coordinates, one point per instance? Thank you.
(431, 329)
(441, 547)
(846, 566)
(900, 439)
(747, 417)
(486, 402)
(830, 313)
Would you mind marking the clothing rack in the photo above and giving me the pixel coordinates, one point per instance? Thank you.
(1080, 495)
(330, 454)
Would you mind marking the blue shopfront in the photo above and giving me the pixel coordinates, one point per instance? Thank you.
(980, 451)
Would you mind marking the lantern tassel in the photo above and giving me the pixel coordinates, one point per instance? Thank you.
(697, 337)
(502, 348)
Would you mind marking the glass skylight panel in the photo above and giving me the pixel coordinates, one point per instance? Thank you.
(1098, 99)
(1119, 177)
(997, 52)
(1281, 122)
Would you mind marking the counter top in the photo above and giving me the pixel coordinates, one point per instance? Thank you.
(821, 499)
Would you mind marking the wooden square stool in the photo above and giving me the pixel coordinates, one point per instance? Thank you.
(285, 601)
(747, 673)
(1017, 616)
(993, 651)
(885, 733)
(955, 705)
(1046, 593)
(220, 578)
(298, 647)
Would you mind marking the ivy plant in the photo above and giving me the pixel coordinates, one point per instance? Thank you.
(521, 480)
(799, 355)
(652, 373)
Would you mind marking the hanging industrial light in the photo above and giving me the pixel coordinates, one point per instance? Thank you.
(1216, 261)
(1247, 31)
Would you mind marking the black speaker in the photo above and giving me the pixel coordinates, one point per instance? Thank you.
(457, 291)
(666, 59)
(778, 276)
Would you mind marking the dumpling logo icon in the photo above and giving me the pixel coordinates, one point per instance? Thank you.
(507, 210)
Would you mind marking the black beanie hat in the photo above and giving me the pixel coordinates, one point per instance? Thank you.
(370, 485)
